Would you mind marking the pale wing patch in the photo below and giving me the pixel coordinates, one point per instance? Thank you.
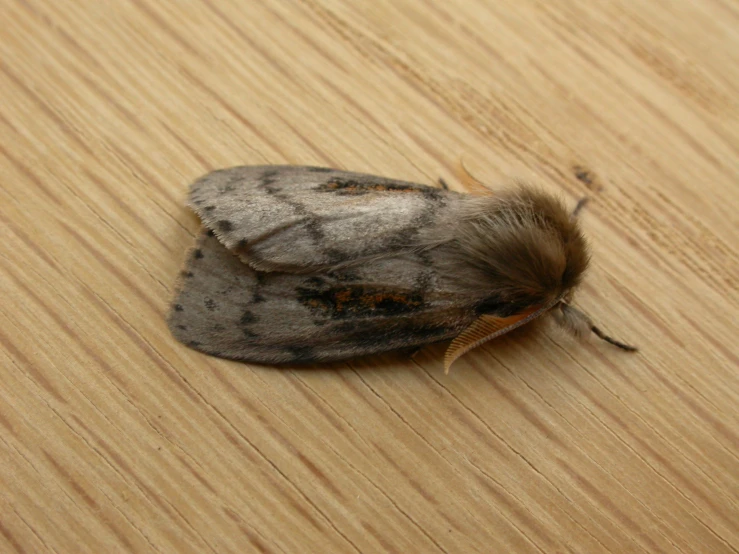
(298, 219)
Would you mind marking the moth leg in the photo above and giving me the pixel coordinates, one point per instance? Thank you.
(579, 207)
(443, 184)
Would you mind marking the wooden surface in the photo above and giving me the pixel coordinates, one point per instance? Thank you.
(115, 438)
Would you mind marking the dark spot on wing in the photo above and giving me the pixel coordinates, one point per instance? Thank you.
(186, 274)
(425, 257)
(178, 308)
(314, 281)
(355, 187)
(224, 225)
(315, 231)
(257, 295)
(334, 256)
(301, 353)
(193, 343)
(182, 327)
(269, 177)
(320, 169)
(209, 208)
(310, 221)
(197, 254)
(210, 304)
(210, 233)
(247, 317)
(358, 301)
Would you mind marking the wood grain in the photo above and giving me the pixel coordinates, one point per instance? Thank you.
(117, 438)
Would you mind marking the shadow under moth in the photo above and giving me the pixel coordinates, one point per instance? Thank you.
(308, 264)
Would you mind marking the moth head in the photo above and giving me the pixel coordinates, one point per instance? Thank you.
(528, 254)
(527, 248)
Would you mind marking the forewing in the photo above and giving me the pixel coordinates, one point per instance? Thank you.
(228, 309)
(298, 219)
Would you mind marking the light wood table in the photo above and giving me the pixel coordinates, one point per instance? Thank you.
(114, 437)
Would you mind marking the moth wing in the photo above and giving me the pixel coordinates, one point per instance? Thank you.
(297, 219)
(226, 308)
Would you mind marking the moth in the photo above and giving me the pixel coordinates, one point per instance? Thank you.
(309, 264)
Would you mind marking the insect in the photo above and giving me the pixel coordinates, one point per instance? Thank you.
(308, 264)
